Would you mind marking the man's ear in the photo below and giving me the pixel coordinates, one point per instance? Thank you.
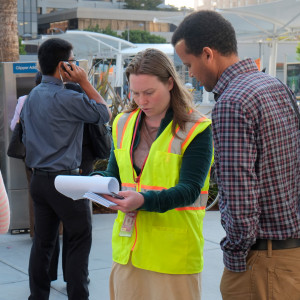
(60, 65)
(208, 53)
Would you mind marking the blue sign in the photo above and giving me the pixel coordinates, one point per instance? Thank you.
(24, 68)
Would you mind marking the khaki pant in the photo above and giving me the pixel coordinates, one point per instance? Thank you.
(271, 275)
(130, 283)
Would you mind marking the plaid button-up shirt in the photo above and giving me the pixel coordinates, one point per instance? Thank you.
(255, 137)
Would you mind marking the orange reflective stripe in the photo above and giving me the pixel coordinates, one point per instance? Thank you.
(117, 130)
(135, 226)
(204, 192)
(192, 130)
(155, 188)
(190, 208)
(125, 126)
(129, 184)
(170, 145)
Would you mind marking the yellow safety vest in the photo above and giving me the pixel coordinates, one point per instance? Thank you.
(170, 242)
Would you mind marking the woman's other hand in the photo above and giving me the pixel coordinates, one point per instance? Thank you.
(132, 200)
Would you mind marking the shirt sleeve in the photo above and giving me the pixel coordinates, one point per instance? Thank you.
(236, 159)
(4, 208)
(79, 107)
(18, 109)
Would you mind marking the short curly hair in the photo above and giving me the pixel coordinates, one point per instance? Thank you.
(206, 28)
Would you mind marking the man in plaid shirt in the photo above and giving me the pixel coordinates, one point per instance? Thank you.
(256, 139)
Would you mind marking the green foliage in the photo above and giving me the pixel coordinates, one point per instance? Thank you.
(170, 8)
(142, 4)
(135, 36)
(298, 51)
(107, 30)
(21, 47)
(105, 89)
(102, 84)
(142, 37)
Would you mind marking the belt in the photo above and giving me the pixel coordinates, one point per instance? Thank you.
(55, 173)
(276, 244)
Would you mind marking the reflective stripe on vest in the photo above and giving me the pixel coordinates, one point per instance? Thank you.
(199, 204)
(177, 145)
(169, 242)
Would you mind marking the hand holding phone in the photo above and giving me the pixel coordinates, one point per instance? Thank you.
(117, 196)
(69, 66)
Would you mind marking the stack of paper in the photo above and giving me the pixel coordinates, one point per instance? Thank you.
(89, 187)
(98, 199)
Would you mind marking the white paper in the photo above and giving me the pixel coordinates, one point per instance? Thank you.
(98, 199)
(76, 186)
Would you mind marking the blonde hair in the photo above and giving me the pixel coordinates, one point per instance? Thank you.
(156, 63)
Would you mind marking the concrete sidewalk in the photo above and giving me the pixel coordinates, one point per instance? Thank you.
(15, 249)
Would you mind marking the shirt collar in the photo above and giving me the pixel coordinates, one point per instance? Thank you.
(242, 66)
(51, 79)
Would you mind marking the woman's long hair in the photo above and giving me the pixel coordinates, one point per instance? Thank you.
(156, 63)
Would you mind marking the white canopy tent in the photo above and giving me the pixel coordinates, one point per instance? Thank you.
(270, 22)
(265, 22)
(91, 45)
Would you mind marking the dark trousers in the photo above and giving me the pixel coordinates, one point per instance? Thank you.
(51, 207)
(55, 257)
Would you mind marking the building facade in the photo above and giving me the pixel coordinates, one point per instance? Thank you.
(48, 6)
(45, 16)
(213, 4)
(27, 18)
(117, 20)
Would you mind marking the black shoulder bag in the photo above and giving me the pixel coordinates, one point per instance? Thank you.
(16, 148)
(101, 140)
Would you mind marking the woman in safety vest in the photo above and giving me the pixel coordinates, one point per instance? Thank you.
(162, 152)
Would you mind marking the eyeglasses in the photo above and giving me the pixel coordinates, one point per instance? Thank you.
(72, 61)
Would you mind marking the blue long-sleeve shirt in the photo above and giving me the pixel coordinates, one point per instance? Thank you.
(52, 119)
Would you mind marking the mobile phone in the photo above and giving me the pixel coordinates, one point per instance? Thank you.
(116, 196)
(68, 64)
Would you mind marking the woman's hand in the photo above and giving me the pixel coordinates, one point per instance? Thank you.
(132, 200)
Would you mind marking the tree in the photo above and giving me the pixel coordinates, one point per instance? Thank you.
(135, 36)
(298, 51)
(21, 47)
(9, 43)
(142, 37)
(107, 30)
(143, 4)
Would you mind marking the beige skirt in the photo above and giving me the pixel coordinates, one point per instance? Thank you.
(130, 283)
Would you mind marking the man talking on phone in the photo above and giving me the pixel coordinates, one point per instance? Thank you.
(52, 120)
